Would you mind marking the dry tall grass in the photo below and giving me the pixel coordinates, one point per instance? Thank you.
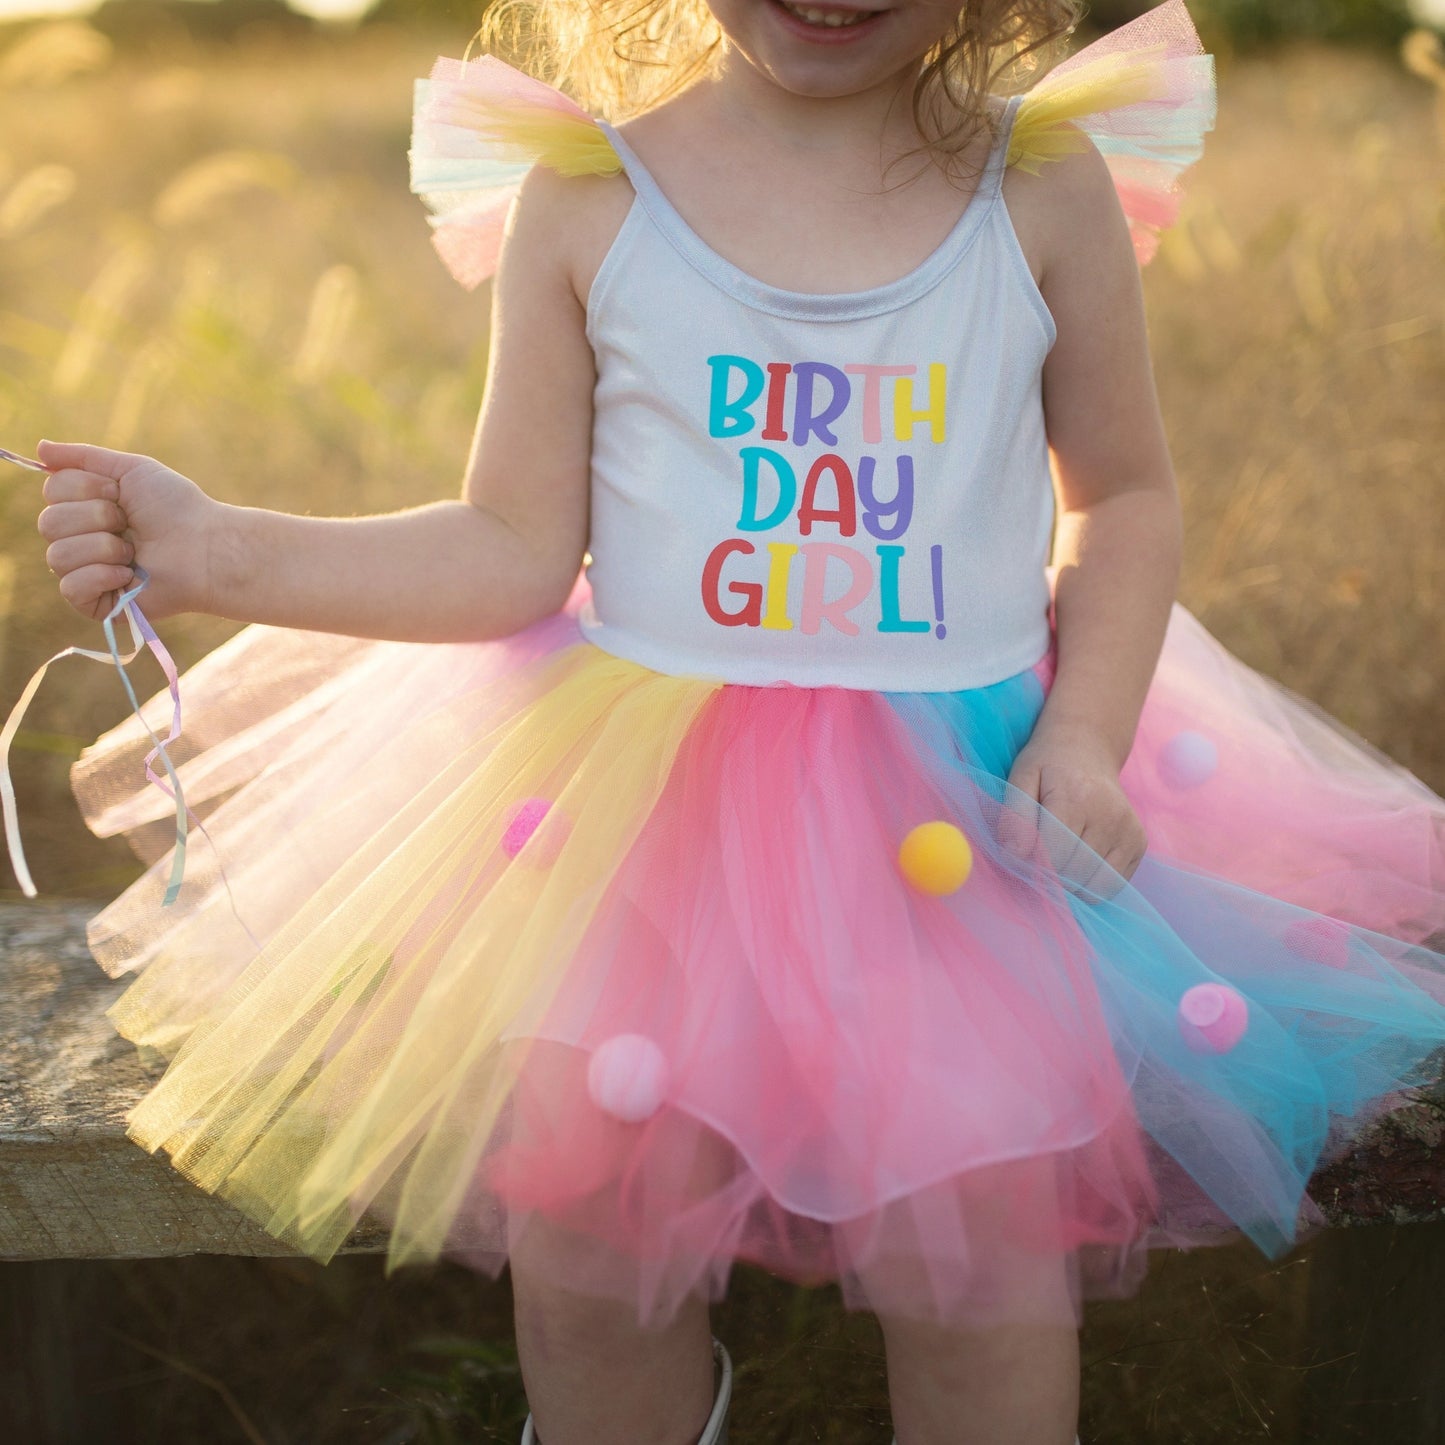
(216, 260)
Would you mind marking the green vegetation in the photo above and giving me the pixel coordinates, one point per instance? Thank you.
(1252, 22)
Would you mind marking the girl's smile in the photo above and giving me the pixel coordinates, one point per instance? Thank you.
(829, 49)
(830, 24)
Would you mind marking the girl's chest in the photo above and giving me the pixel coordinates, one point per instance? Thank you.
(820, 222)
(821, 239)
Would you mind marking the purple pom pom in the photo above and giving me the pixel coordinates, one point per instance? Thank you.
(1188, 760)
(1212, 1017)
(627, 1077)
(523, 820)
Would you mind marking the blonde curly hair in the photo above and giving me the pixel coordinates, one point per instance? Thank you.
(618, 58)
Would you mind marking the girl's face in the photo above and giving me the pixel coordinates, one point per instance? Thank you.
(833, 48)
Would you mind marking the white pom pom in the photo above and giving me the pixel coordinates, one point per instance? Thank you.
(1188, 760)
(627, 1077)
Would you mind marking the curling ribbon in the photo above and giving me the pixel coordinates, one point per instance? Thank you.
(143, 636)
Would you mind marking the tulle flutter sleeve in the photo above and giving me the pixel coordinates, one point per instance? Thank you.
(478, 127)
(1144, 95)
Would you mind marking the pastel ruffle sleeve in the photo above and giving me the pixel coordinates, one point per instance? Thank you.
(1144, 95)
(478, 127)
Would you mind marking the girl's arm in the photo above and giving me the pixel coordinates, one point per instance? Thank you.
(1117, 547)
(503, 555)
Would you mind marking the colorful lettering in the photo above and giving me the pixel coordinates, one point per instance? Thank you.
(891, 620)
(753, 458)
(806, 421)
(773, 430)
(936, 557)
(750, 614)
(837, 579)
(780, 563)
(845, 514)
(872, 396)
(906, 418)
(732, 418)
(817, 608)
(890, 519)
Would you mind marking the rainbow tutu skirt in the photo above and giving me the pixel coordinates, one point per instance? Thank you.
(487, 938)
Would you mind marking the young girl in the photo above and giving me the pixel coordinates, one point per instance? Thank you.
(780, 893)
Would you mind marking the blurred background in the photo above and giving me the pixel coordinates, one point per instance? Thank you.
(210, 254)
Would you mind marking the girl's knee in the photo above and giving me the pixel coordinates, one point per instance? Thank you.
(565, 1284)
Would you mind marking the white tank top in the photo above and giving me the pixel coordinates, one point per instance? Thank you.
(825, 490)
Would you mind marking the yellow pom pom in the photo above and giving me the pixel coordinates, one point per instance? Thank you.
(935, 858)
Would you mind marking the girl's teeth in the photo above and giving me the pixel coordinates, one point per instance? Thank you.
(833, 19)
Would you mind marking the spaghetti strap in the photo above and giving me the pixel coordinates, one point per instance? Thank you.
(648, 191)
(997, 165)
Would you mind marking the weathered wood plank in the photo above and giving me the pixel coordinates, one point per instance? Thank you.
(72, 1186)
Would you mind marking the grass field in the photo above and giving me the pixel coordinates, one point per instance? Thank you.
(212, 256)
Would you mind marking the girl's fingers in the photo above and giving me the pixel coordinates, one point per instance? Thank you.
(1125, 859)
(91, 590)
(1125, 850)
(1070, 854)
(1105, 860)
(71, 485)
(71, 519)
(83, 457)
(71, 553)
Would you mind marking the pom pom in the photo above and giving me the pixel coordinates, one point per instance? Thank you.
(627, 1077)
(523, 820)
(1321, 940)
(1188, 760)
(936, 858)
(1212, 1018)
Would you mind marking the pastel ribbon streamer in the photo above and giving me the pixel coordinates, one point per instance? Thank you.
(8, 456)
(143, 636)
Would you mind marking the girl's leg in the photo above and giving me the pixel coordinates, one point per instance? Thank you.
(1013, 1385)
(592, 1375)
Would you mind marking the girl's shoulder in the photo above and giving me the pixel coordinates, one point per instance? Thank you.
(566, 223)
(1068, 206)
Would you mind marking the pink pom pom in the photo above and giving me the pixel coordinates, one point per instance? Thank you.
(523, 820)
(627, 1077)
(1212, 1018)
(1321, 940)
(1188, 760)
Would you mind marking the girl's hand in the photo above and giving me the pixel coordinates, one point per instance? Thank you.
(1075, 778)
(110, 511)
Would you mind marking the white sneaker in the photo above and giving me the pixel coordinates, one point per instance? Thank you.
(715, 1432)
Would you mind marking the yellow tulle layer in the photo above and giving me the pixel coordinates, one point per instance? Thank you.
(570, 145)
(1045, 129)
(359, 1055)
